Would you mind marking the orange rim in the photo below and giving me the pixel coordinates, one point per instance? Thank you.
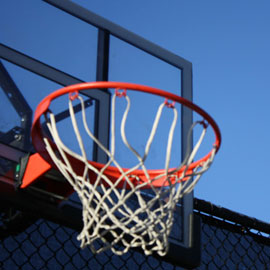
(112, 172)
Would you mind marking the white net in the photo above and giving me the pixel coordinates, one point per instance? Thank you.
(123, 218)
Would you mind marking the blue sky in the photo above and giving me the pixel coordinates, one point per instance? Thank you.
(228, 44)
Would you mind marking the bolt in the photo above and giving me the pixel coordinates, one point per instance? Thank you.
(18, 137)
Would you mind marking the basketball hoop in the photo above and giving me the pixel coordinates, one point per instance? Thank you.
(105, 189)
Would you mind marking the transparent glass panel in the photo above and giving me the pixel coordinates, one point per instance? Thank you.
(35, 88)
(129, 64)
(50, 35)
(9, 118)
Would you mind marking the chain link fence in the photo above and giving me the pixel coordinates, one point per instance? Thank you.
(229, 241)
